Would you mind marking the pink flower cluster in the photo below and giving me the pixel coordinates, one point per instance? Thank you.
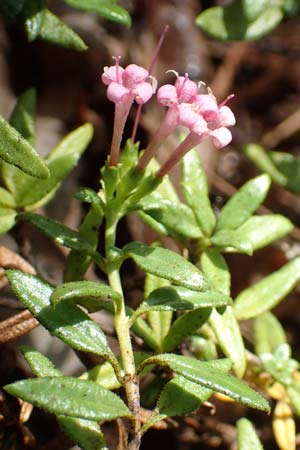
(199, 113)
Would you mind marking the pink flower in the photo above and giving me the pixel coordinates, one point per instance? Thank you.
(217, 117)
(124, 86)
(199, 113)
(127, 84)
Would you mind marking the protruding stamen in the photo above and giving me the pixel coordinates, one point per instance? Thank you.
(157, 49)
(153, 61)
(226, 100)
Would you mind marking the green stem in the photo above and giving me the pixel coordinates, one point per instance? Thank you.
(122, 328)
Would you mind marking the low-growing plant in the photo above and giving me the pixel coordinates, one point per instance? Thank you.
(187, 296)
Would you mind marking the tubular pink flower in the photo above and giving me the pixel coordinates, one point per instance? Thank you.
(124, 86)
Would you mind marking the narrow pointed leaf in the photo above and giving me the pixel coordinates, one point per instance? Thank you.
(179, 396)
(175, 298)
(176, 218)
(216, 270)
(262, 230)
(268, 292)
(76, 289)
(57, 231)
(247, 437)
(16, 150)
(84, 432)
(40, 364)
(195, 189)
(67, 322)
(228, 334)
(159, 321)
(57, 32)
(23, 115)
(165, 264)
(27, 191)
(224, 324)
(268, 333)
(185, 325)
(108, 9)
(244, 203)
(206, 374)
(67, 395)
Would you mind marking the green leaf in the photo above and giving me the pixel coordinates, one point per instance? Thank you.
(262, 160)
(176, 219)
(178, 397)
(16, 150)
(247, 437)
(84, 432)
(159, 321)
(232, 241)
(243, 203)
(6, 199)
(208, 375)
(57, 231)
(268, 333)
(57, 32)
(224, 324)
(78, 261)
(216, 270)
(165, 264)
(185, 325)
(268, 292)
(237, 22)
(67, 395)
(78, 289)
(107, 9)
(27, 191)
(67, 322)
(33, 15)
(228, 334)
(289, 166)
(23, 115)
(195, 189)
(174, 298)
(7, 219)
(39, 364)
(262, 230)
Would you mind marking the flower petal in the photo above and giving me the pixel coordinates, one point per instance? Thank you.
(143, 92)
(112, 73)
(133, 75)
(227, 118)
(116, 92)
(167, 95)
(186, 89)
(221, 137)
